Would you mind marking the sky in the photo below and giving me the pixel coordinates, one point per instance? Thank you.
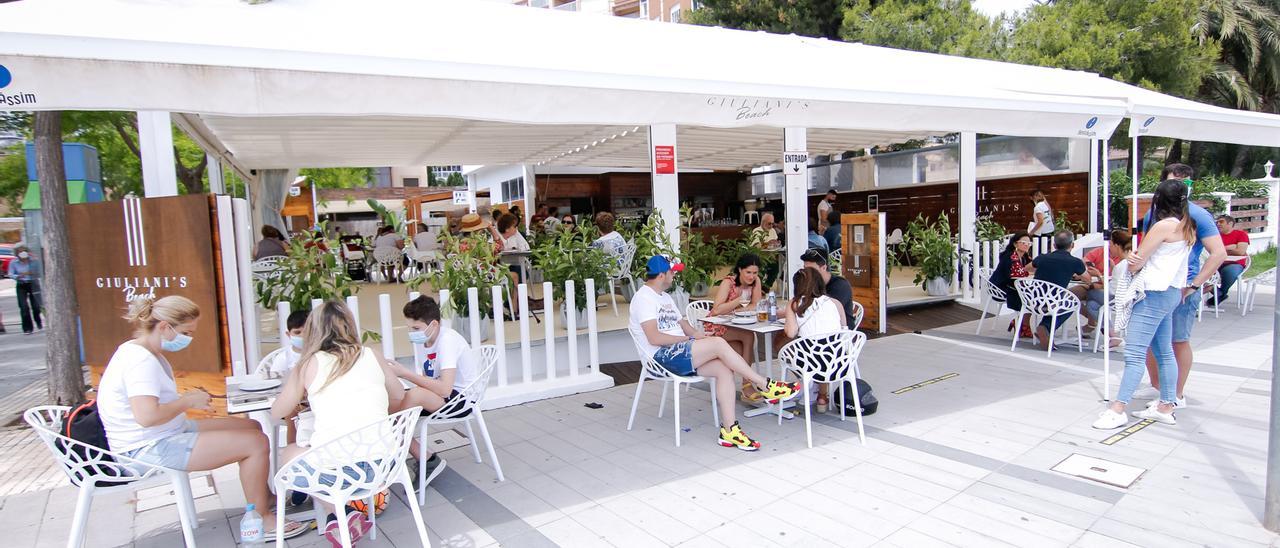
(994, 7)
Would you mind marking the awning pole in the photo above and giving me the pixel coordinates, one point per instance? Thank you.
(1271, 508)
(1093, 186)
(1106, 260)
(1137, 172)
(795, 197)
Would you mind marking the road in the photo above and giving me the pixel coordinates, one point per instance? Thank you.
(21, 356)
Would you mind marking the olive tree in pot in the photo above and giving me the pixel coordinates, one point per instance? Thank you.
(568, 255)
(470, 262)
(932, 248)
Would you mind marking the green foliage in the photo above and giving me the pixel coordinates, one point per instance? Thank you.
(568, 255)
(932, 248)
(818, 18)
(1242, 188)
(13, 179)
(1262, 262)
(389, 218)
(339, 177)
(988, 229)
(702, 259)
(470, 262)
(455, 179)
(307, 272)
(1202, 189)
(651, 239)
(1248, 73)
(1062, 222)
(951, 27)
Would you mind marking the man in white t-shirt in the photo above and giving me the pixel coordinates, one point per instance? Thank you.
(824, 209)
(449, 369)
(663, 335)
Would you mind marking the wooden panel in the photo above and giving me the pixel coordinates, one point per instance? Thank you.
(175, 234)
(868, 296)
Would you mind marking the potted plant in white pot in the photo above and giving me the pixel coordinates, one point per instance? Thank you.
(568, 255)
(469, 262)
(309, 271)
(932, 249)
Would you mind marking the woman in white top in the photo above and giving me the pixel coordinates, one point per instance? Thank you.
(387, 248)
(145, 416)
(811, 313)
(1041, 216)
(1162, 258)
(345, 384)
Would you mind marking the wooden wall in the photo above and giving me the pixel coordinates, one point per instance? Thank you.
(558, 190)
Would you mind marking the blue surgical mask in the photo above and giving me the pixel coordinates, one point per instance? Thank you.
(177, 343)
(418, 337)
(296, 340)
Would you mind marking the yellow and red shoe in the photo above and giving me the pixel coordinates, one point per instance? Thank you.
(776, 391)
(734, 437)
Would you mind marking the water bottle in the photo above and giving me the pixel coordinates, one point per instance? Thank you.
(251, 532)
(773, 307)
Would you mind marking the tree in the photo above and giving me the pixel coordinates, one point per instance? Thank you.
(455, 179)
(62, 348)
(339, 177)
(951, 27)
(817, 18)
(13, 178)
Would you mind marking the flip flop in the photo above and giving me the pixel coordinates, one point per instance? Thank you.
(291, 529)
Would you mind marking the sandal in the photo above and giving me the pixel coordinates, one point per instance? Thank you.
(291, 529)
(823, 404)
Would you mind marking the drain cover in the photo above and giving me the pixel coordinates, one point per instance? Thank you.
(1099, 470)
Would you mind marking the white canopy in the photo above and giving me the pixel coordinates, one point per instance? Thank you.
(401, 82)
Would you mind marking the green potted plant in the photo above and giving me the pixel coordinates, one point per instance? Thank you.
(470, 262)
(309, 271)
(932, 249)
(568, 255)
(702, 259)
(989, 229)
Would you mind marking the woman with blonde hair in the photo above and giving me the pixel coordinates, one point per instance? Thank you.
(346, 386)
(144, 415)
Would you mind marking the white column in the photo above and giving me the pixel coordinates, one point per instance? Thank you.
(968, 202)
(666, 187)
(530, 193)
(1133, 197)
(471, 192)
(155, 142)
(795, 194)
(216, 184)
(1093, 185)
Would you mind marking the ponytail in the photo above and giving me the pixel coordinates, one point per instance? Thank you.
(146, 312)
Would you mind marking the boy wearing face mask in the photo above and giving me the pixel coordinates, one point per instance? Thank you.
(285, 361)
(449, 367)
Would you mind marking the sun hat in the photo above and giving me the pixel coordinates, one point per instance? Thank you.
(472, 222)
(659, 264)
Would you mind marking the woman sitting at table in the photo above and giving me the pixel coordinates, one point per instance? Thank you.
(346, 386)
(811, 313)
(145, 417)
(739, 291)
(1015, 262)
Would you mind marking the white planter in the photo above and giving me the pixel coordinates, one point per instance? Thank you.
(681, 298)
(700, 289)
(463, 325)
(624, 288)
(581, 317)
(938, 287)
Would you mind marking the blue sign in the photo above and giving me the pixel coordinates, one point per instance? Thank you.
(1148, 122)
(1092, 122)
(5, 76)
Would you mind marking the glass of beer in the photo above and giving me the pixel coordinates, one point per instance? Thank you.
(762, 315)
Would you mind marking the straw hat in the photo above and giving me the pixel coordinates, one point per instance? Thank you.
(472, 222)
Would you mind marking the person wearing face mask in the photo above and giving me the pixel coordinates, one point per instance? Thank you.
(27, 272)
(145, 417)
(450, 366)
(286, 360)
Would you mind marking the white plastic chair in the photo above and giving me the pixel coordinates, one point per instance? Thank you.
(994, 295)
(356, 466)
(263, 369)
(650, 369)
(835, 261)
(1240, 296)
(265, 268)
(101, 465)
(1045, 299)
(858, 313)
(829, 359)
(1249, 288)
(486, 358)
(387, 263)
(696, 311)
(1210, 289)
(623, 272)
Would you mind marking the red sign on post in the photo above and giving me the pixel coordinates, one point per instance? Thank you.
(664, 159)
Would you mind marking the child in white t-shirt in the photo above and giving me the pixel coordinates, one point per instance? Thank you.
(284, 361)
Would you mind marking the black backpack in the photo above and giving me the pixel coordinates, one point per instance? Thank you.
(84, 425)
(868, 399)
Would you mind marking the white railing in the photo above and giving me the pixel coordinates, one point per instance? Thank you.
(533, 381)
(987, 256)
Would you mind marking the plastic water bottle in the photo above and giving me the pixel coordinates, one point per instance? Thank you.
(773, 307)
(251, 532)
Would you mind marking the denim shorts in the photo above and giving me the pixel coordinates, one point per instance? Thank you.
(171, 452)
(1184, 317)
(676, 358)
(362, 472)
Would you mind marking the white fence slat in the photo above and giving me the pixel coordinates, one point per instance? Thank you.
(499, 334)
(549, 329)
(571, 326)
(418, 358)
(353, 303)
(526, 357)
(384, 320)
(593, 342)
(473, 311)
(316, 302)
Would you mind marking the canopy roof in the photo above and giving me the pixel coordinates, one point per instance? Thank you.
(400, 82)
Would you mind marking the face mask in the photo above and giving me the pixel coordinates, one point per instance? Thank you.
(178, 342)
(418, 337)
(24, 255)
(296, 340)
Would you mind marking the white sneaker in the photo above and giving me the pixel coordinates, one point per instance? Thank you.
(1147, 393)
(1110, 420)
(1180, 403)
(1153, 413)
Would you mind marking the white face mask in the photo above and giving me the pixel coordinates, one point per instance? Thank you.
(24, 255)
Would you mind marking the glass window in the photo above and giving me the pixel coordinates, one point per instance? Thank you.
(644, 9)
(675, 14)
(410, 181)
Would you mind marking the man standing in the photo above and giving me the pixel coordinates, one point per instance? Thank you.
(825, 206)
(1236, 242)
(1057, 268)
(1184, 317)
(661, 333)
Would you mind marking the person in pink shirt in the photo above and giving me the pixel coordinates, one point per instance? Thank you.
(1096, 267)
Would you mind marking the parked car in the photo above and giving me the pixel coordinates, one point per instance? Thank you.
(6, 256)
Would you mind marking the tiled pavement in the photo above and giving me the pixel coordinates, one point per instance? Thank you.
(961, 462)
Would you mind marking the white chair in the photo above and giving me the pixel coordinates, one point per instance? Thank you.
(86, 466)
(829, 359)
(356, 466)
(994, 295)
(1248, 262)
(1210, 289)
(696, 311)
(650, 369)
(387, 266)
(895, 241)
(858, 313)
(623, 272)
(264, 365)
(486, 357)
(1249, 291)
(1044, 299)
(265, 268)
(835, 261)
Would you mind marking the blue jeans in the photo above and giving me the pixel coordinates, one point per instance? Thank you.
(1093, 302)
(1230, 272)
(1151, 326)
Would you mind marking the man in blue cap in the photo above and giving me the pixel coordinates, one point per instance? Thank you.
(661, 332)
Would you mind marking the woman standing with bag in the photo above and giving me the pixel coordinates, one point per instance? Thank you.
(27, 272)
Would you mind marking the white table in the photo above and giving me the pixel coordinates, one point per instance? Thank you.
(518, 258)
(765, 330)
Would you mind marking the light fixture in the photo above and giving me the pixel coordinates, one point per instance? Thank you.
(1268, 166)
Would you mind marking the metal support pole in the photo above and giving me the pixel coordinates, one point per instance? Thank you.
(1106, 280)
(968, 207)
(1271, 507)
(795, 196)
(1133, 196)
(155, 142)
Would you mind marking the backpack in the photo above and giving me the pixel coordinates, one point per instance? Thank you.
(84, 425)
(868, 399)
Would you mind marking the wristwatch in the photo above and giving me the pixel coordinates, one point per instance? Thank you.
(1196, 286)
